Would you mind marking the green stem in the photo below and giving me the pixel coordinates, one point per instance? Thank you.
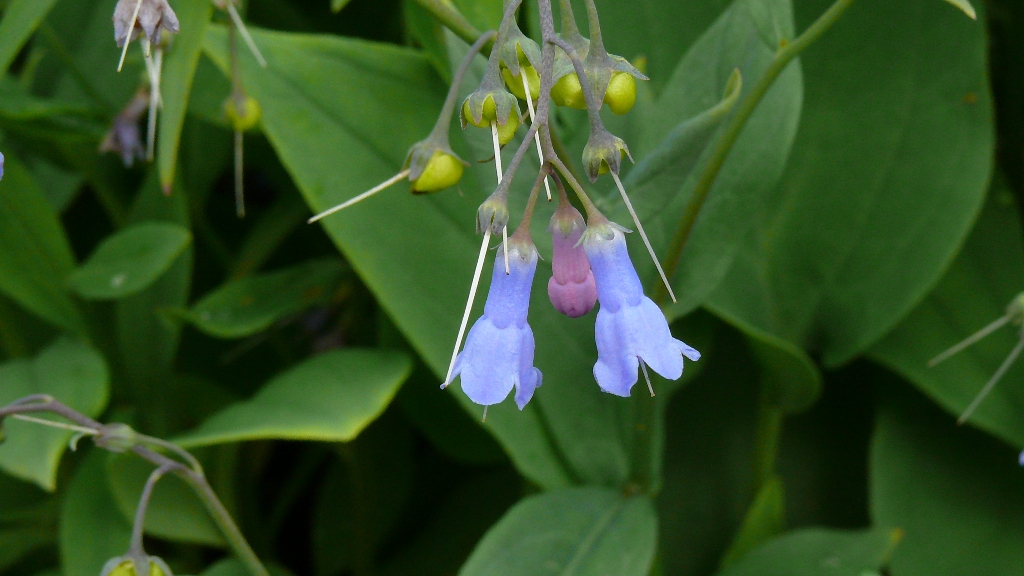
(223, 520)
(446, 13)
(766, 437)
(786, 53)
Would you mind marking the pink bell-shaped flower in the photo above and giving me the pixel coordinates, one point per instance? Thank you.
(572, 289)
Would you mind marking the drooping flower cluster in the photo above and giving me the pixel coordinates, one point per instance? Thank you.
(589, 260)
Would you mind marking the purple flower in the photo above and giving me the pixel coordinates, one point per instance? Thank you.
(1, 165)
(499, 349)
(124, 136)
(571, 288)
(630, 327)
(152, 17)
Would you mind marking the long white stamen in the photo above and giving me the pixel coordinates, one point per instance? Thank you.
(999, 323)
(153, 66)
(497, 166)
(647, 377)
(245, 34)
(992, 381)
(484, 419)
(536, 135)
(52, 424)
(640, 228)
(385, 184)
(469, 305)
(239, 189)
(128, 38)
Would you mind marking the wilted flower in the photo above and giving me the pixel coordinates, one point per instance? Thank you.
(630, 327)
(153, 17)
(572, 289)
(124, 136)
(499, 349)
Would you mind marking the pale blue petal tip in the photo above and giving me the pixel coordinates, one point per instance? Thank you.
(1020, 459)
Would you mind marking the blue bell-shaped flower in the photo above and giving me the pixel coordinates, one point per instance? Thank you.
(499, 348)
(630, 327)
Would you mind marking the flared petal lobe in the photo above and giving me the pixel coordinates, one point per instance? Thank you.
(499, 348)
(630, 327)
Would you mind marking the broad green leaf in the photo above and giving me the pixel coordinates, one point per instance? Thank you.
(92, 530)
(954, 491)
(174, 512)
(35, 258)
(21, 17)
(484, 14)
(328, 398)
(130, 261)
(866, 218)
(579, 531)
(793, 379)
(818, 551)
(965, 5)
(250, 305)
(336, 144)
(987, 274)
(765, 518)
(176, 82)
(72, 373)
(148, 342)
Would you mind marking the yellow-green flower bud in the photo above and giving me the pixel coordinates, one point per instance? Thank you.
(568, 92)
(126, 565)
(603, 153)
(245, 116)
(621, 93)
(489, 114)
(515, 83)
(443, 170)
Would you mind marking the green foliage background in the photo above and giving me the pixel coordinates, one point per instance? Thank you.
(866, 219)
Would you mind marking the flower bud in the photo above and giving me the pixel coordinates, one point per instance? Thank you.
(492, 214)
(442, 170)
(621, 93)
(603, 153)
(568, 92)
(516, 49)
(483, 108)
(244, 114)
(137, 564)
(514, 82)
(124, 136)
(571, 289)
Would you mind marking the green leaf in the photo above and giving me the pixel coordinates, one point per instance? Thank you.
(174, 512)
(337, 5)
(146, 340)
(866, 218)
(975, 291)
(765, 518)
(484, 14)
(16, 543)
(706, 75)
(954, 491)
(329, 398)
(130, 261)
(965, 6)
(92, 530)
(792, 378)
(335, 144)
(579, 531)
(35, 257)
(250, 305)
(176, 82)
(21, 18)
(817, 551)
(72, 373)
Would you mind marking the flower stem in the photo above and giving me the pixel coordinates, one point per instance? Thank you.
(786, 53)
(446, 13)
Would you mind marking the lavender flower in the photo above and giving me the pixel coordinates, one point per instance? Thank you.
(499, 349)
(151, 17)
(124, 136)
(630, 327)
(572, 289)
(1, 165)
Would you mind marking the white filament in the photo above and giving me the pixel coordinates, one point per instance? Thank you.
(128, 38)
(640, 228)
(469, 305)
(385, 184)
(997, 324)
(536, 135)
(647, 377)
(992, 381)
(497, 165)
(245, 34)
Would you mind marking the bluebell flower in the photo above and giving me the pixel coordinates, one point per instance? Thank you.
(571, 289)
(499, 349)
(630, 327)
